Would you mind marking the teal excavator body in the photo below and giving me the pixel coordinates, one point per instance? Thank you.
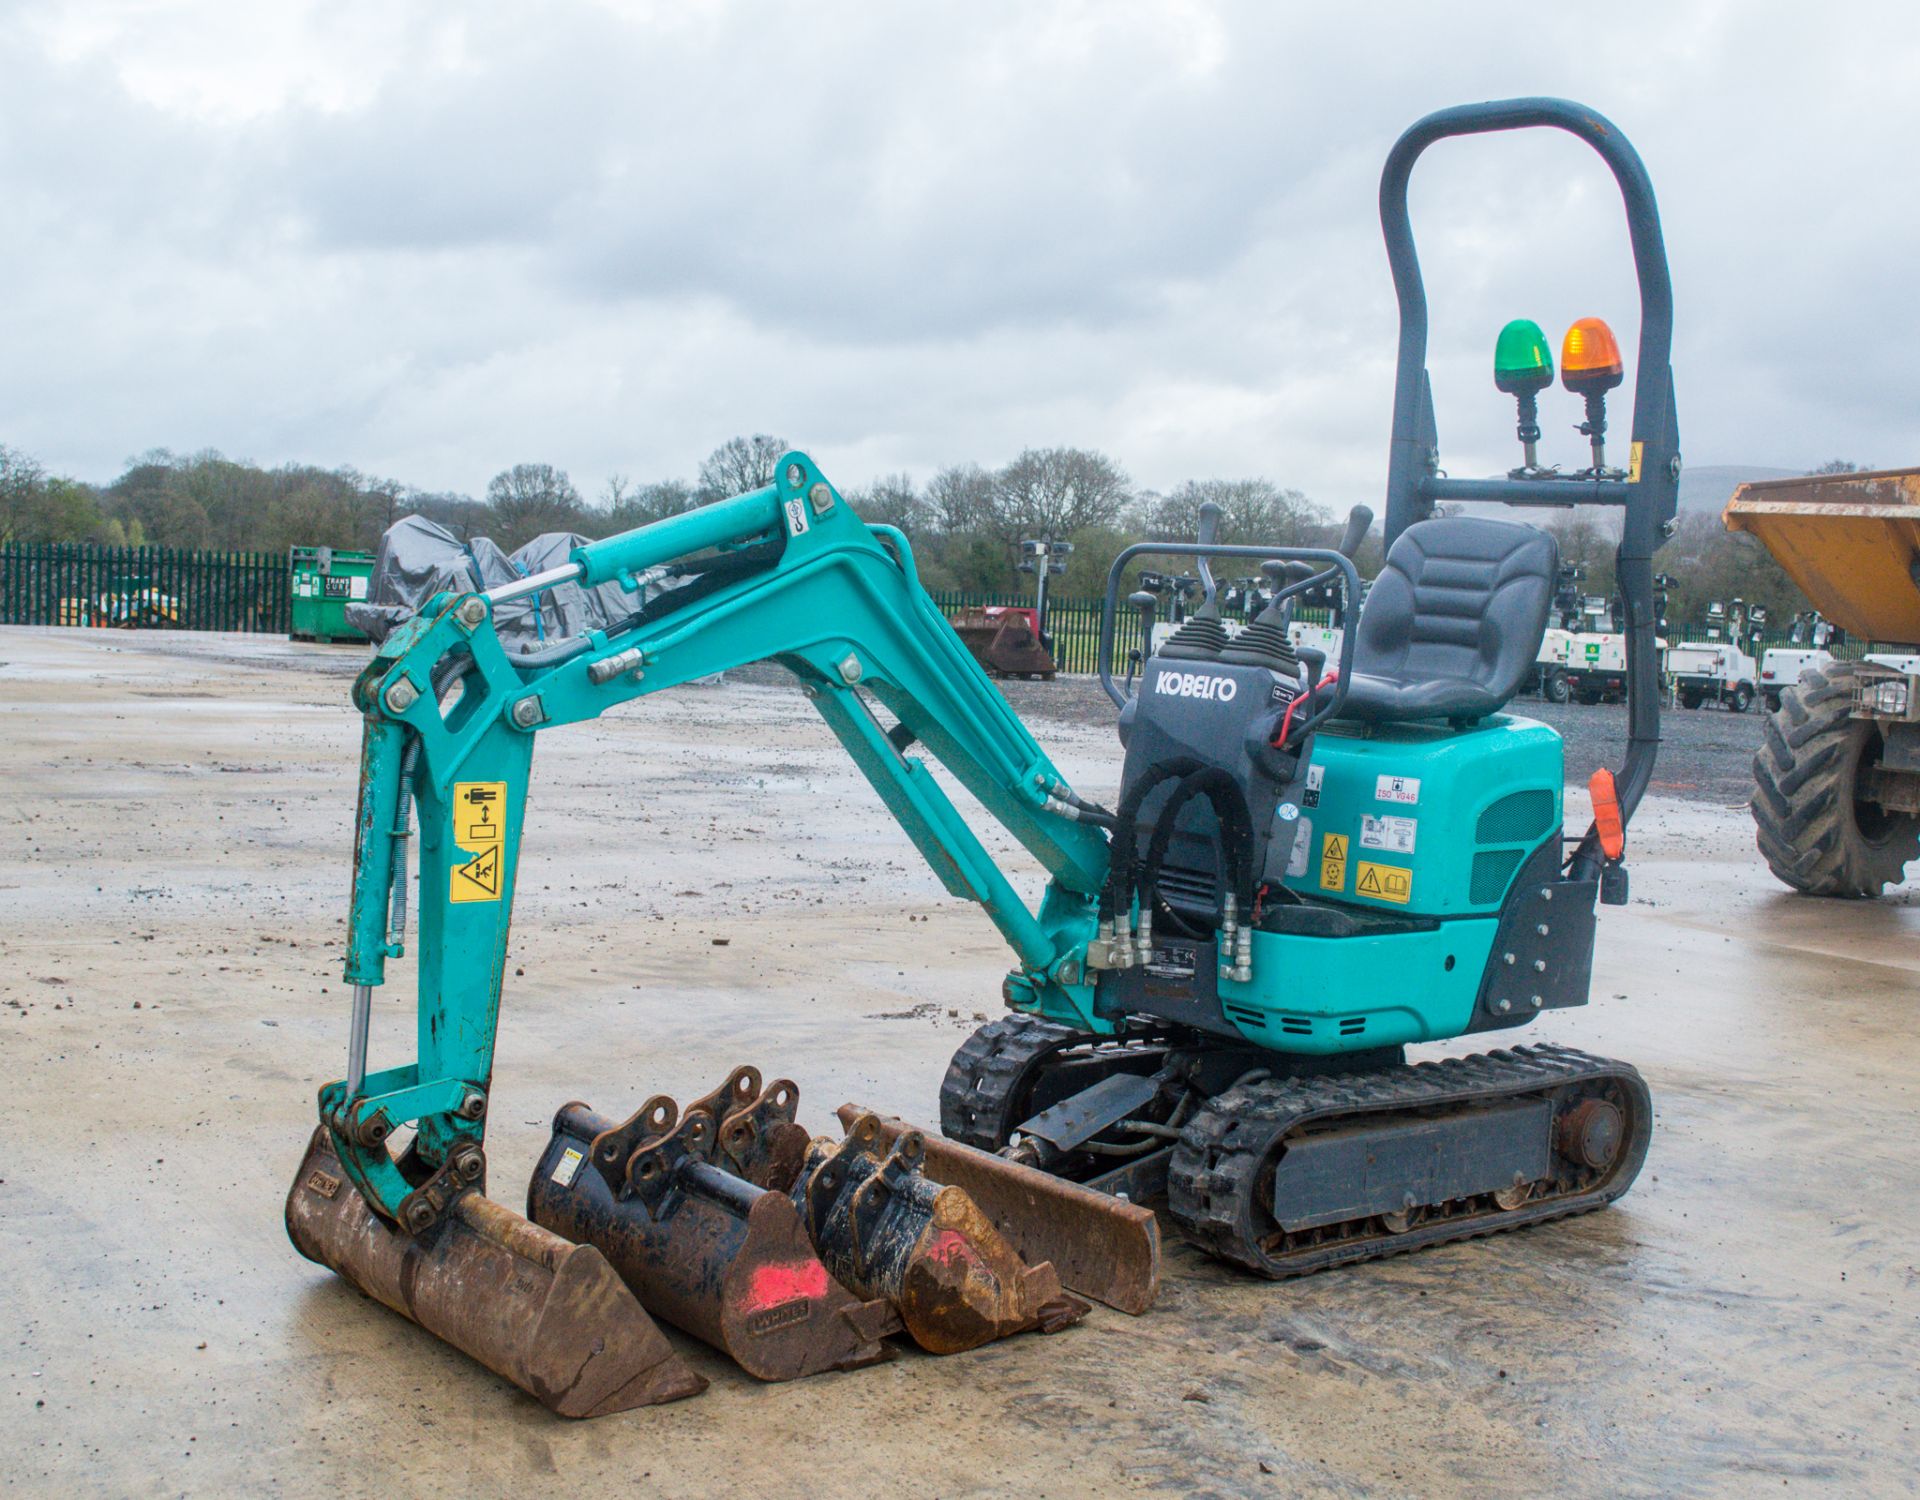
(1311, 864)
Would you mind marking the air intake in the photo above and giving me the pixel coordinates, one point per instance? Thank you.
(1517, 818)
(1492, 869)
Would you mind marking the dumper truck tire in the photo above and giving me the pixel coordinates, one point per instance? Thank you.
(1813, 829)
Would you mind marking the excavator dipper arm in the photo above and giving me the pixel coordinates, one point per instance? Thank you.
(787, 573)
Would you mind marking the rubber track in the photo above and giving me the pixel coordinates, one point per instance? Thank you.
(1802, 794)
(1228, 1142)
(986, 1073)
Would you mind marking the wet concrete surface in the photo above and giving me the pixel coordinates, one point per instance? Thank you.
(172, 886)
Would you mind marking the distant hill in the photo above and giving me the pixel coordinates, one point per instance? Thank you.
(1710, 486)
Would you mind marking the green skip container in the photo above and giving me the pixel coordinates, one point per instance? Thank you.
(325, 581)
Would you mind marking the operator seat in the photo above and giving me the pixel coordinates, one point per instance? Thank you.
(1453, 624)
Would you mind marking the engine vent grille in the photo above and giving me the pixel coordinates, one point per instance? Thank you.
(1190, 890)
(1492, 869)
(1249, 1018)
(1353, 1025)
(1297, 1025)
(1517, 818)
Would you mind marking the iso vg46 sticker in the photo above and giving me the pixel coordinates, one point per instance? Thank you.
(1404, 789)
(1390, 833)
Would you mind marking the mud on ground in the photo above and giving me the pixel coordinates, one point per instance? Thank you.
(173, 876)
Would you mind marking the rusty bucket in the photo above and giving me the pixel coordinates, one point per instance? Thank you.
(886, 1230)
(702, 1246)
(549, 1315)
(1101, 1246)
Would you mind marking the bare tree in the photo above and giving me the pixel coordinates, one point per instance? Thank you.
(958, 498)
(1253, 512)
(740, 464)
(1054, 492)
(892, 500)
(647, 503)
(529, 499)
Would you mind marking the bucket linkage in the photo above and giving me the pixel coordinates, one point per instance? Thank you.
(886, 1230)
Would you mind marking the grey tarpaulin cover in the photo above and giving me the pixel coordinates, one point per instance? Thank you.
(419, 558)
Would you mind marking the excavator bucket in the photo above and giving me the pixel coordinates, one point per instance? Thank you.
(886, 1230)
(1006, 641)
(1102, 1247)
(549, 1315)
(700, 1244)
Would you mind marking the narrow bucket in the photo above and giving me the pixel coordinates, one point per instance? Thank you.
(701, 1247)
(885, 1230)
(550, 1316)
(1101, 1247)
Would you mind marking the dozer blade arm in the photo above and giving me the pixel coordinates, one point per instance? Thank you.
(787, 573)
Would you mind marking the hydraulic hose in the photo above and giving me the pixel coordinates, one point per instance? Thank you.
(1236, 836)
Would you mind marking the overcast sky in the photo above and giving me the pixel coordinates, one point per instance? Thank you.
(433, 240)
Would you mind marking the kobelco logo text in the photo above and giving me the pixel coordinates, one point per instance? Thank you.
(1196, 685)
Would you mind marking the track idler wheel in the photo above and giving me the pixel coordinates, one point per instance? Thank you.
(550, 1316)
(707, 1250)
(886, 1230)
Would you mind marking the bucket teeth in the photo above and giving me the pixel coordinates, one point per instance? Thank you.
(699, 1244)
(1101, 1247)
(548, 1315)
(887, 1230)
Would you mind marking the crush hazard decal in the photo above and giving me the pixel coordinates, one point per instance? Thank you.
(1333, 861)
(479, 827)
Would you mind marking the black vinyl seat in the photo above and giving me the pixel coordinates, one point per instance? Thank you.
(1453, 624)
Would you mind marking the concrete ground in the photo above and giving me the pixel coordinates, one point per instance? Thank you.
(173, 878)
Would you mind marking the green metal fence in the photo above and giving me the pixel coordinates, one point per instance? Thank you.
(1073, 623)
(169, 588)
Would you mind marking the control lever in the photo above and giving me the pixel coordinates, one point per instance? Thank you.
(1359, 523)
(1209, 534)
(1148, 605)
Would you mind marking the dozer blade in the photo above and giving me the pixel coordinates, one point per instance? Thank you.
(703, 1248)
(1101, 1247)
(886, 1230)
(550, 1316)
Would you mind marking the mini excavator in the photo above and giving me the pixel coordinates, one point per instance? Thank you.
(1311, 865)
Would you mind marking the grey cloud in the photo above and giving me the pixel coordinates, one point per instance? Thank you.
(911, 235)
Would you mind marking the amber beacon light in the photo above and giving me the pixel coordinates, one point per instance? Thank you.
(1590, 366)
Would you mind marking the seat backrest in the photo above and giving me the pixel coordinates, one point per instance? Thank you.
(1460, 598)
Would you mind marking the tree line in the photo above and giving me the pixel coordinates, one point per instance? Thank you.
(966, 523)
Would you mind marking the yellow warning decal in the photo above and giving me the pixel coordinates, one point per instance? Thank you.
(1635, 454)
(1333, 861)
(479, 826)
(1384, 882)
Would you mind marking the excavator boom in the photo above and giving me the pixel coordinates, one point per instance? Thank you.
(787, 573)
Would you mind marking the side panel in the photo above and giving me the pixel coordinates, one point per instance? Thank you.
(1324, 995)
(1426, 821)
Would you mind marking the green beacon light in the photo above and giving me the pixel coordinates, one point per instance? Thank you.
(1523, 368)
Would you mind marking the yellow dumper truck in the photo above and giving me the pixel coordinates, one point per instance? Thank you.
(1837, 778)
